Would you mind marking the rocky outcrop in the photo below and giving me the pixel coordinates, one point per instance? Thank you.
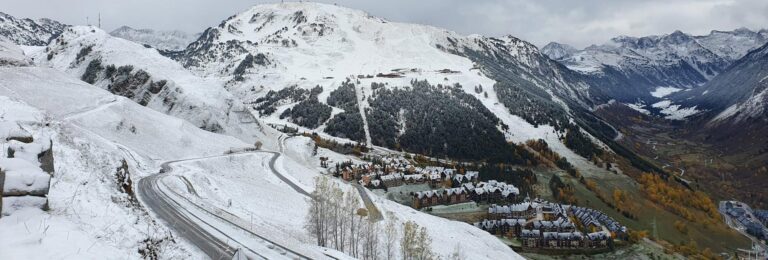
(25, 176)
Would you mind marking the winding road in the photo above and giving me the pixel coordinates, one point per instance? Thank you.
(168, 210)
(373, 211)
(196, 229)
(193, 222)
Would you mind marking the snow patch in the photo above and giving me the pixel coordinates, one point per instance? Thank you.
(661, 92)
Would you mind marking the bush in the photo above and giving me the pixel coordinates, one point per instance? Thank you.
(92, 71)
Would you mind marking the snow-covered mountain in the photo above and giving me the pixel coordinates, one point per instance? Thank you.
(161, 40)
(557, 51)
(27, 31)
(274, 55)
(632, 68)
(738, 95)
(141, 74)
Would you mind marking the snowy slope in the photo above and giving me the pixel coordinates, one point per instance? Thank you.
(733, 45)
(161, 40)
(151, 80)
(12, 55)
(92, 214)
(737, 95)
(27, 31)
(113, 118)
(318, 44)
(272, 47)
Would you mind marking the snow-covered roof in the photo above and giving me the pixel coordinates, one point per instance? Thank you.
(519, 207)
(428, 194)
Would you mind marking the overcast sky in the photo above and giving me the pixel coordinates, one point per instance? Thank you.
(579, 23)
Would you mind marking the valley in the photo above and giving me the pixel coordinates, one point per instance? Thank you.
(301, 130)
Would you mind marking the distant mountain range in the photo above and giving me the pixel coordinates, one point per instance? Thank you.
(631, 69)
(161, 40)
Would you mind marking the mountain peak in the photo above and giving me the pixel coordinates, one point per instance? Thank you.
(677, 37)
(557, 51)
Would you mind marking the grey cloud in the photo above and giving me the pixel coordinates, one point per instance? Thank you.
(579, 23)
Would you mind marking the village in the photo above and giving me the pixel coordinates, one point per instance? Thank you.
(751, 222)
(522, 222)
(540, 224)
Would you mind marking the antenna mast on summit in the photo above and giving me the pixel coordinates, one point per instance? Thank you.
(99, 20)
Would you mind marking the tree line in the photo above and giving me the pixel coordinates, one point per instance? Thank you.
(336, 219)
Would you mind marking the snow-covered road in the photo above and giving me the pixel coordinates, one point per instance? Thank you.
(200, 223)
(166, 209)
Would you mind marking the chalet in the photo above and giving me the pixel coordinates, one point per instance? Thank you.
(455, 195)
(594, 220)
(436, 197)
(494, 192)
(531, 238)
(513, 226)
(524, 210)
(553, 211)
(559, 225)
(435, 178)
(562, 240)
(502, 227)
(597, 239)
(392, 180)
(413, 178)
(488, 225)
(428, 198)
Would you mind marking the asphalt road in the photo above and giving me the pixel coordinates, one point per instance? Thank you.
(188, 227)
(373, 211)
(167, 210)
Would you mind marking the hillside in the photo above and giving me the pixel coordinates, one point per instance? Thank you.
(94, 135)
(275, 55)
(143, 75)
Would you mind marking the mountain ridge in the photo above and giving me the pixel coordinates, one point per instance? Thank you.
(631, 68)
(29, 32)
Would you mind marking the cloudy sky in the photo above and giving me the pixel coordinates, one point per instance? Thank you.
(579, 23)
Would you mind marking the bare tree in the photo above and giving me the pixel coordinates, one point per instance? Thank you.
(390, 237)
(416, 243)
(315, 217)
(370, 240)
